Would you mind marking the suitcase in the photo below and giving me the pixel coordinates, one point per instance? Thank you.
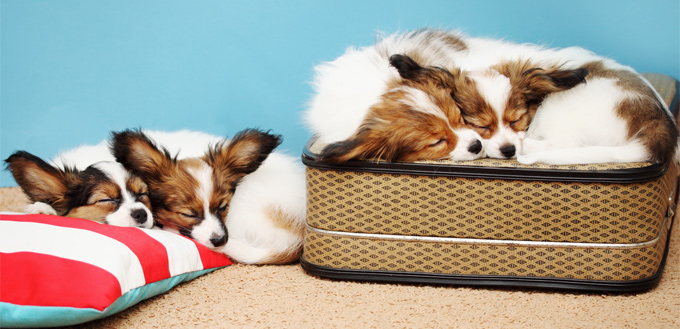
(490, 222)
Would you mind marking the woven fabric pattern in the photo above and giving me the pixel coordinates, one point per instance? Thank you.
(610, 264)
(487, 209)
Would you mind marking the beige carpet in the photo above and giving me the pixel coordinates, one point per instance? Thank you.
(241, 296)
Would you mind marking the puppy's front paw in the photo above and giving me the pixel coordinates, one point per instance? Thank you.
(530, 145)
(527, 159)
(40, 208)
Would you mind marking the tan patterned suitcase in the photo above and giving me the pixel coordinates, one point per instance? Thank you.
(492, 222)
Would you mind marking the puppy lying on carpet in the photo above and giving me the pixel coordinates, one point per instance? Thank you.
(104, 191)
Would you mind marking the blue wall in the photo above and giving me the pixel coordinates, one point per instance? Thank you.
(71, 71)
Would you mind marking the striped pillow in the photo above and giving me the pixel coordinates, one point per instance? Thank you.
(57, 271)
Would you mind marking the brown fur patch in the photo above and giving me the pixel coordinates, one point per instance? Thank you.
(285, 221)
(450, 40)
(392, 131)
(177, 192)
(530, 84)
(138, 188)
(291, 224)
(40, 181)
(476, 112)
(455, 42)
(627, 80)
(104, 190)
(290, 256)
(646, 117)
(99, 204)
(395, 130)
(96, 212)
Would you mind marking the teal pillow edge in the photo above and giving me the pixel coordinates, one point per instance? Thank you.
(21, 316)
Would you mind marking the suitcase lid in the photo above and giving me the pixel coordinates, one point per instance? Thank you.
(636, 172)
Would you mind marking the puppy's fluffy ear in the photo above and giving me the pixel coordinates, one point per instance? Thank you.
(40, 181)
(353, 148)
(535, 83)
(450, 79)
(243, 154)
(407, 67)
(373, 141)
(139, 154)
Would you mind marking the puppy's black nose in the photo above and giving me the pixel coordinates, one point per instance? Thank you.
(139, 215)
(508, 150)
(219, 240)
(475, 147)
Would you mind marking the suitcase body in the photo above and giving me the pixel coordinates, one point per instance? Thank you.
(490, 222)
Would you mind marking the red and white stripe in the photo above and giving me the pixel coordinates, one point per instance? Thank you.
(58, 261)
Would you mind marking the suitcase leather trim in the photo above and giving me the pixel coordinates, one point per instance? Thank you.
(639, 172)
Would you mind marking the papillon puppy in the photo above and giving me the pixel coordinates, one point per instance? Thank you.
(104, 192)
(561, 105)
(236, 197)
(371, 104)
(501, 112)
(568, 107)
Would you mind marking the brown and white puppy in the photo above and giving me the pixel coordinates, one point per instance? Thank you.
(104, 192)
(596, 112)
(415, 119)
(501, 102)
(192, 195)
(376, 103)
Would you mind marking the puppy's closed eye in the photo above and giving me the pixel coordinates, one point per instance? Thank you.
(108, 200)
(438, 142)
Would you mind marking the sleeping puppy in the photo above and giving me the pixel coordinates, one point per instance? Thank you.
(596, 112)
(371, 104)
(236, 197)
(561, 105)
(615, 116)
(104, 192)
(415, 119)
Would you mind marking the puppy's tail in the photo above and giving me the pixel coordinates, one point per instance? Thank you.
(242, 252)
